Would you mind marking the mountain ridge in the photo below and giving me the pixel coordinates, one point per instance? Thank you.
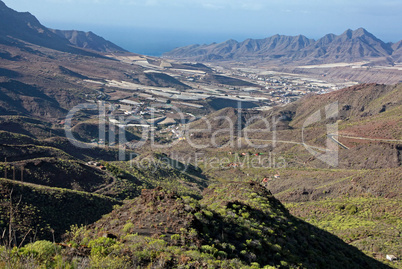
(350, 46)
(88, 40)
(23, 26)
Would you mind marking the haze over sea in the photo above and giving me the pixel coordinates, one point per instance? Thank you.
(154, 41)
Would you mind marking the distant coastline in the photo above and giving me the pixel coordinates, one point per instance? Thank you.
(153, 41)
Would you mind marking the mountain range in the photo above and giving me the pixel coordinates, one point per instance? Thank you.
(173, 204)
(350, 46)
(23, 26)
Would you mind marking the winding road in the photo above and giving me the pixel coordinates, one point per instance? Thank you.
(332, 137)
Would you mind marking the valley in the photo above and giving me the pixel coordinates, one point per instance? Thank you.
(111, 159)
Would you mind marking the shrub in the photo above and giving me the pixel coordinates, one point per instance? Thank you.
(208, 213)
(108, 262)
(175, 237)
(102, 246)
(76, 234)
(42, 250)
(245, 215)
(221, 254)
(209, 249)
(128, 227)
(352, 209)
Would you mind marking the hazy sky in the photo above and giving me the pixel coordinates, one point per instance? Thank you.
(160, 25)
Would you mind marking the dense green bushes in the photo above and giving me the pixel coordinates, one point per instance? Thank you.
(43, 212)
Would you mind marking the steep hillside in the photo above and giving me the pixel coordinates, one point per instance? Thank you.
(88, 40)
(88, 130)
(52, 172)
(355, 103)
(368, 111)
(24, 26)
(152, 171)
(55, 162)
(28, 126)
(350, 46)
(20, 98)
(238, 225)
(18, 146)
(39, 212)
(397, 54)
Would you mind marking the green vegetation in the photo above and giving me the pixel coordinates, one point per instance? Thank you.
(151, 171)
(55, 172)
(158, 212)
(233, 226)
(34, 211)
(372, 224)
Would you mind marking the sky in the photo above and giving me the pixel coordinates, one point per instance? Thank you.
(155, 26)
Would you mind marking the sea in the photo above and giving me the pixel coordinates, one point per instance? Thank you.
(155, 42)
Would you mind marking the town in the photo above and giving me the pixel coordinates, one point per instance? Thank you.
(202, 90)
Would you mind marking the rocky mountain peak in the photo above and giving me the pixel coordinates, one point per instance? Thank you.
(350, 46)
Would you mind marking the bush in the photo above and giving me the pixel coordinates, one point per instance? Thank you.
(102, 246)
(42, 250)
(175, 237)
(128, 227)
(209, 249)
(352, 209)
(108, 262)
